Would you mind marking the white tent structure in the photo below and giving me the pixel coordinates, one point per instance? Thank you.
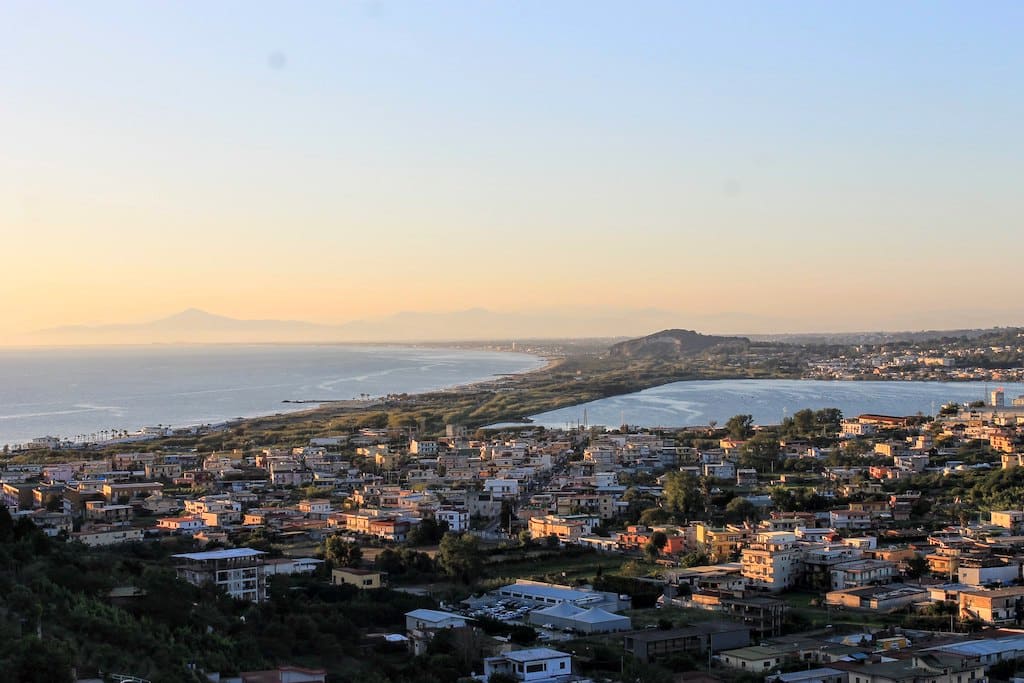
(597, 620)
(559, 616)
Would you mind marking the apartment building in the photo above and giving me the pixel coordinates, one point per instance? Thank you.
(238, 571)
(772, 562)
(997, 607)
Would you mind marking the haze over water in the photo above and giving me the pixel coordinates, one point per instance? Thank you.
(67, 392)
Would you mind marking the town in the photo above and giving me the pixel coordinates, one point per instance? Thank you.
(828, 548)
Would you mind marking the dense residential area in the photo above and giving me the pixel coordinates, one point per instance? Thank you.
(827, 548)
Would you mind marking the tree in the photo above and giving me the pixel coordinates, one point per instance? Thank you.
(740, 426)
(459, 556)
(40, 661)
(659, 540)
(428, 532)
(651, 551)
(681, 493)
(739, 510)
(783, 499)
(760, 451)
(654, 515)
(6, 525)
(803, 421)
(522, 635)
(342, 553)
(917, 566)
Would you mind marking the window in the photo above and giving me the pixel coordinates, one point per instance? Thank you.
(534, 668)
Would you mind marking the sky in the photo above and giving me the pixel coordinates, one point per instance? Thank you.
(778, 167)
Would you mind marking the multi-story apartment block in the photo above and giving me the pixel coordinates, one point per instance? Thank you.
(773, 561)
(239, 571)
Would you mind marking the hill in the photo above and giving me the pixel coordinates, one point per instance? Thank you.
(669, 344)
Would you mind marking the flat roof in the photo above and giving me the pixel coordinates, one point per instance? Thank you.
(434, 615)
(534, 653)
(554, 592)
(357, 572)
(757, 651)
(809, 673)
(703, 628)
(983, 647)
(227, 554)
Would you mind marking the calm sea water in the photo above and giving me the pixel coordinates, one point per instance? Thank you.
(68, 392)
(698, 402)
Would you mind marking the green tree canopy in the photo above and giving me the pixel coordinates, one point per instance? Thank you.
(459, 556)
(740, 426)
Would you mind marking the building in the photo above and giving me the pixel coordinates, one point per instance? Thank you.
(456, 518)
(998, 607)
(877, 598)
(822, 675)
(655, 644)
(772, 562)
(597, 620)
(928, 667)
(426, 448)
(857, 573)
(719, 470)
(763, 616)
(758, 659)
(546, 594)
(422, 624)
(284, 674)
(187, 524)
(238, 571)
(746, 477)
(567, 529)
(291, 565)
(1012, 520)
(360, 578)
(125, 493)
(102, 536)
(535, 665)
(988, 571)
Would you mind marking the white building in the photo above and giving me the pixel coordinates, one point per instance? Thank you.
(422, 624)
(719, 470)
(418, 447)
(535, 665)
(238, 571)
(502, 488)
(457, 518)
(773, 561)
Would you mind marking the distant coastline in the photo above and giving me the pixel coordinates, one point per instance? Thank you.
(40, 401)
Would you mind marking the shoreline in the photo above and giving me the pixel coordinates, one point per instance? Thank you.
(587, 389)
(302, 407)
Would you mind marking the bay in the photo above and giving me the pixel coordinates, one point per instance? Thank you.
(68, 392)
(692, 403)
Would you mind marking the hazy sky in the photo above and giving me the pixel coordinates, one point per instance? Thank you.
(817, 165)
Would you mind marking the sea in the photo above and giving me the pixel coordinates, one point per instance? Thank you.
(93, 392)
(692, 403)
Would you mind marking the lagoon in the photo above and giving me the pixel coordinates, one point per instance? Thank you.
(699, 402)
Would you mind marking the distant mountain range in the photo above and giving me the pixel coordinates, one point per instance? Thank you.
(475, 324)
(197, 326)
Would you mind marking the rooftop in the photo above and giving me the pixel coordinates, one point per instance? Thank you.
(434, 615)
(533, 654)
(226, 554)
(707, 627)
